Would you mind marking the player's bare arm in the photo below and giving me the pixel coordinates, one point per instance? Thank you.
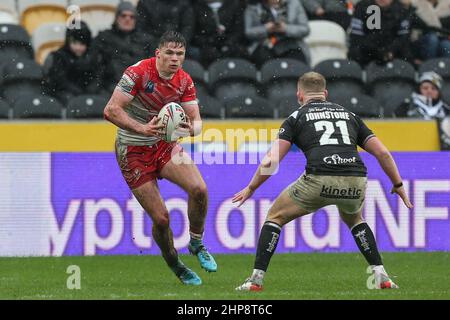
(115, 113)
(193, 125)
(268, 165)
(376, 148)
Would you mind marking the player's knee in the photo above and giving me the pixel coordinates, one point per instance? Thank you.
(276, 217)
(161, 221)
(199, 192)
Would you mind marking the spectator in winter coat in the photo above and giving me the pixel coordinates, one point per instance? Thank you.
(384, 41)
(276, 28)
(73, 69)
(121, 46)
(338, 11)
(154, 17)
(427, 103)
(219, 30)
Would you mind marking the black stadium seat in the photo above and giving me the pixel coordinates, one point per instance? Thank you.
(279, 77)
(231, 78)
(442, 67)
(86, 106)
(4, 109)
(361, 105)
(210, 107)
(201, 90)
(248, 107)
(391, 83)
(21, 77)
(342, 74)
(195, 70)
(15, 43)
(31, 106)
(287, 106)
(438, 65)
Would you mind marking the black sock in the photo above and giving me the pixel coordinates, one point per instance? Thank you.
(268, 240)
(365, 240)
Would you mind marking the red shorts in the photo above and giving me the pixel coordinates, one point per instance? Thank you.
(141, 164)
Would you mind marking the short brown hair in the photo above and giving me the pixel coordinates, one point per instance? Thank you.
(312, 82)
(172, 36)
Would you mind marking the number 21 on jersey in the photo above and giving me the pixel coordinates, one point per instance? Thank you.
(330, 128)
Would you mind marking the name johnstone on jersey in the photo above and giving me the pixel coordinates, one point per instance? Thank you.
(327, 115)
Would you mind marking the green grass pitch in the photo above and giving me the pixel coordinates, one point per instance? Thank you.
(291, 276)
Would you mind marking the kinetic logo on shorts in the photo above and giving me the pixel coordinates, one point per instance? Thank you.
(339, 193)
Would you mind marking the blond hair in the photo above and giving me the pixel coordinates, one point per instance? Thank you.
(312, 82)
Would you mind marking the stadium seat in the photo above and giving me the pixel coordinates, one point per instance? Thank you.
(197, 73)
(391, 83)
(47, 38)
(287, 105)
(279, 77)
(231, 78)
(442, 67)
(4, 109)
(21, 77)
(32, 106)
(8, 12)
(201, 90)
(438, 65)
(342, 75)
(35, 13)
(15, 43)
(195, 70)
(98, 14)
(360, 104)
(86, 106)
(326, 40)
(210, 107)
(248, 107)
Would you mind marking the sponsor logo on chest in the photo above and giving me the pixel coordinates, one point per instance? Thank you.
(336, 159)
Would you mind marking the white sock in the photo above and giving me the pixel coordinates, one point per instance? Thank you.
(258, 276)
(196, 236)
(379, 269)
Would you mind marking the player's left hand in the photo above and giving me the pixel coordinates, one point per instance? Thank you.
(403, 195)
(242, 196)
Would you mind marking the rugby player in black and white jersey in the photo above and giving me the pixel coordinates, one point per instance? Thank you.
(328, 134)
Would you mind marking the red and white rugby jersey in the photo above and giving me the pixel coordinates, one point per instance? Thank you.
(150, 92)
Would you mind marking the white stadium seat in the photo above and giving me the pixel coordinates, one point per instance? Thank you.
(327, 40)
(8, 12)
(47, 38)
(34, 13)
(98, 14)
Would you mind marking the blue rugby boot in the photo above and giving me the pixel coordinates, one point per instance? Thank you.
(206, 260)
(186, 275)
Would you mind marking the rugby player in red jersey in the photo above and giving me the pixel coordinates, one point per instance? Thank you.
(143, 157)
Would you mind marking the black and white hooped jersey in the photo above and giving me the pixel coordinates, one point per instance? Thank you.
(328, 134)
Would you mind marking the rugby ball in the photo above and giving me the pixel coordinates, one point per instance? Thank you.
(170, 117)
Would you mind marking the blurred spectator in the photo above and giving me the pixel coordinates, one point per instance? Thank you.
(383, 42)
(276, 28)
(427, 103)
(219, 30)
(121, 46)
(73, 69)
(154, 17)
(434, 41)
(338, 11)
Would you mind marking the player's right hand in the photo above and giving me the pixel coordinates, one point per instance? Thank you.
(242, 196)
(152, 129)
(402, 193)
